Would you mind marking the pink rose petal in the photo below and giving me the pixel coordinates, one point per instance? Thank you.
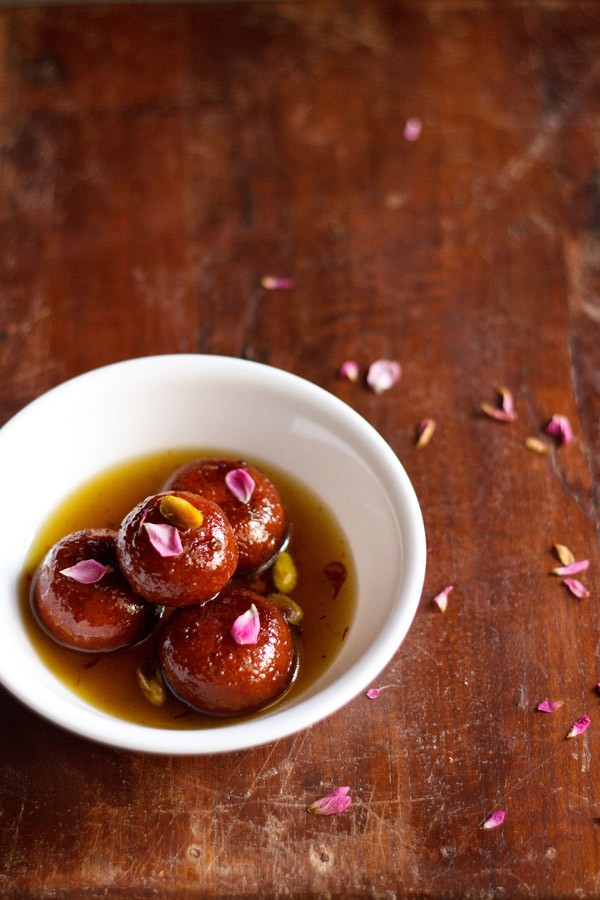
(573, 568)
(560, 427)
(87, 571)
(373, 693)
(412, 129)
(164, 538)
(550, 706)
(578, 727)
(383, 374)
(246, 627)
(333, 804)
(275, 283)
(576, 587)
(441, 599)
(495, 820)
(349, 370)
(241, 484)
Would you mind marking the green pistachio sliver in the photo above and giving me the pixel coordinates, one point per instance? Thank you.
(151, 683)
(285, 576)
(180, 512)
(290, 609)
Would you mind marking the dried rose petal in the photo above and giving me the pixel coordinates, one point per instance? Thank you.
(549, 706)
(506, 411)
(412, 129)
(578, 727)
(576, 587)
(240, 483)
(425, 432)
(349, 370)
(565, 555)
(500, 415)
(383, 374)
(538, 446)
(164, 538)
(87, 571)
(274, 283)
(573, 568)
(495, 819)
(560, 427)
(507, 402)
(246, 627)
(336, 574)
(441, 599)
(333, 804)
(598, 687)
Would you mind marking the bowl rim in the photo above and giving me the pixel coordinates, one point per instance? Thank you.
(90, 722)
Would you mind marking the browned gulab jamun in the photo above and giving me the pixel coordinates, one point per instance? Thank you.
(177, 548)
(205, 666)
(82, 600)
(259, 522)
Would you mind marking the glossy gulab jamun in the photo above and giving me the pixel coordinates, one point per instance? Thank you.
(177, 548)
(82, 600)
(250, 500)
(205, 666)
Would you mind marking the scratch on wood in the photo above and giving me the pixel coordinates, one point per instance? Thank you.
(518, 165)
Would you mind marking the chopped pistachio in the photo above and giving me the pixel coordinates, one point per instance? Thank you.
(290, 609)
(151, 683)
(285, 576)
(180, 512)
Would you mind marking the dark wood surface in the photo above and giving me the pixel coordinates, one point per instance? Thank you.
(156, 163)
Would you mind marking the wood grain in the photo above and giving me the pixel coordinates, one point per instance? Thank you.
(156, 162)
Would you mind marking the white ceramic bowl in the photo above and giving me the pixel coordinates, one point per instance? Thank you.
(143, 405)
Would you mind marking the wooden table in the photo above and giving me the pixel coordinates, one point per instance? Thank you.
(157, 163)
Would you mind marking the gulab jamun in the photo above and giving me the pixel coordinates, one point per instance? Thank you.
(83, 601)
(205, 666)
(177, 548)
(257, 515)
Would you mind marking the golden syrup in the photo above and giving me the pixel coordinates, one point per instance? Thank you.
(108, 680)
